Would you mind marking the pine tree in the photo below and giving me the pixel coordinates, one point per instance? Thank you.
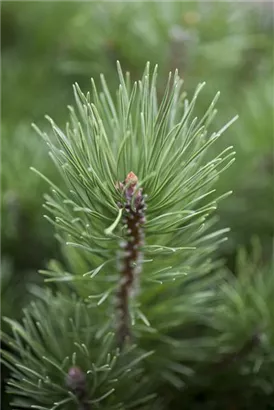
(128, 319)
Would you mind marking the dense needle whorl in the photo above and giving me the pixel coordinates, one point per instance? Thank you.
(131, 255)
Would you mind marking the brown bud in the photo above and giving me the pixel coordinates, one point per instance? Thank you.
(76, 381)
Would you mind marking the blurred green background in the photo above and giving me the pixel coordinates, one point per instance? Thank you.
(46, 46)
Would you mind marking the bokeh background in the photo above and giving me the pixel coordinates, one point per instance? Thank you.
(47, 46)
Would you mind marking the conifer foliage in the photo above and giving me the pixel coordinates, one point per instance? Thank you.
(121, 328)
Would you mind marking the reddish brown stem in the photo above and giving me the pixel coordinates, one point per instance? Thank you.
(131, 253)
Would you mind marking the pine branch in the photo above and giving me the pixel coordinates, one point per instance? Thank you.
(62, 355)
(168, 148)
(158, 223)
